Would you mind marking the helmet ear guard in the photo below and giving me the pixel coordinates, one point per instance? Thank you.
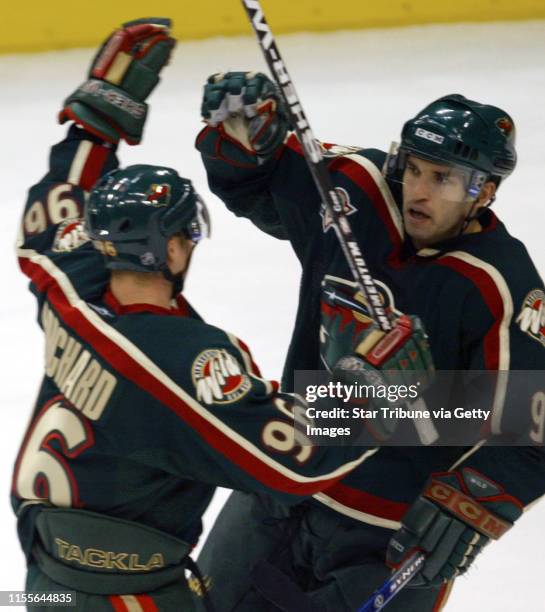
(197, 227)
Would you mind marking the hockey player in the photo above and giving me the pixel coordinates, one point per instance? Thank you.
(144, 408)
(436, 250)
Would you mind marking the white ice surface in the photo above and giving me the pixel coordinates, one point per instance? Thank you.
(357, 88)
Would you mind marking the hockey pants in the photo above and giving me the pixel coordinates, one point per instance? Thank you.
(322, 561)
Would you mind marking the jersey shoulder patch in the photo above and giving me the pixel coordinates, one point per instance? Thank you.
(218, 377)
(70, 235)
(531, 318)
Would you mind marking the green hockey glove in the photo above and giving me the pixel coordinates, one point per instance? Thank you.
(110, 104)
(455, 516)
(399, 360)
(249, 108)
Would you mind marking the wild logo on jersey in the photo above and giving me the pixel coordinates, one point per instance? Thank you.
(345, 315)
(218, 377)
(531, 318)
(348, 209)
(70, 235)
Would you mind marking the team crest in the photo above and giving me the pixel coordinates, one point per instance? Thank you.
(218, 377)
(348, 209)
(505, 125)
(531, 318)
(345, 316)
(344, 294)
(70, 235)
(159, 194)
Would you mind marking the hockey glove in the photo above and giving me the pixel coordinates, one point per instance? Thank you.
(455, 516)
(249, 108)
(110, 104)
(400, 360)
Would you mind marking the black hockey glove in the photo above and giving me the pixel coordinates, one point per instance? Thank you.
(455, 516)
(249, 108)
(110, 104)
(399, 360)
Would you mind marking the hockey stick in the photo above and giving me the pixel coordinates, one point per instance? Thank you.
(316, 164)
(384, 594)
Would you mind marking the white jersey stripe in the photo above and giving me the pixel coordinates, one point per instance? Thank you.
(466, 455)
(380, 182)
(144, 361)
(131, 603)
(504, 348)
(358, 515)
(78, 163)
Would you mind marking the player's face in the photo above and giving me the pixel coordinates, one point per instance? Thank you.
(435, 202)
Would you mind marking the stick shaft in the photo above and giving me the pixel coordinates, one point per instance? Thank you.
(314, 157)
(399, 579)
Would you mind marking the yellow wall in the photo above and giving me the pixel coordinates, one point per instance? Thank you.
(37, 25)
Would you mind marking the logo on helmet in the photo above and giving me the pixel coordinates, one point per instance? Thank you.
(159, 194)
(147, 259)
(422, 133)
(505, 125)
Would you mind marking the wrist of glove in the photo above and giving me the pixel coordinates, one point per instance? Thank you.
(111, 103)
(249, 109)
(397, 366)
(455, 516)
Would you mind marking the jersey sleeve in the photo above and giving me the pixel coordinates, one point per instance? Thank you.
(75, 164)
(501, 338)
(498, 338)
(52, 221)
(208, 415)
(520, 470)
(236, 177)
(281, 198)
(259, 442)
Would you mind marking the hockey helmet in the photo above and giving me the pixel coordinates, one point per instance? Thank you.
(456, 130)
(132, 213)
(479, 138)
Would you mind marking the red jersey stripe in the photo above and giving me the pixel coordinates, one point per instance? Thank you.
(92, 169)
(366, 502)
(363, 179)
(147, 603)
(117, 603)
(492, 298)
(218, 438)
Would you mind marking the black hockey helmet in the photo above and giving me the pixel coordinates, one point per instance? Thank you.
(131, 214)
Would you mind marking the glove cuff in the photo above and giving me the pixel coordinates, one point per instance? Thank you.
(475, 499)
(106, 111)
(89, 121)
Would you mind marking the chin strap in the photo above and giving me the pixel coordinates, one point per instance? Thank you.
(473, 217)
(177, 281)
